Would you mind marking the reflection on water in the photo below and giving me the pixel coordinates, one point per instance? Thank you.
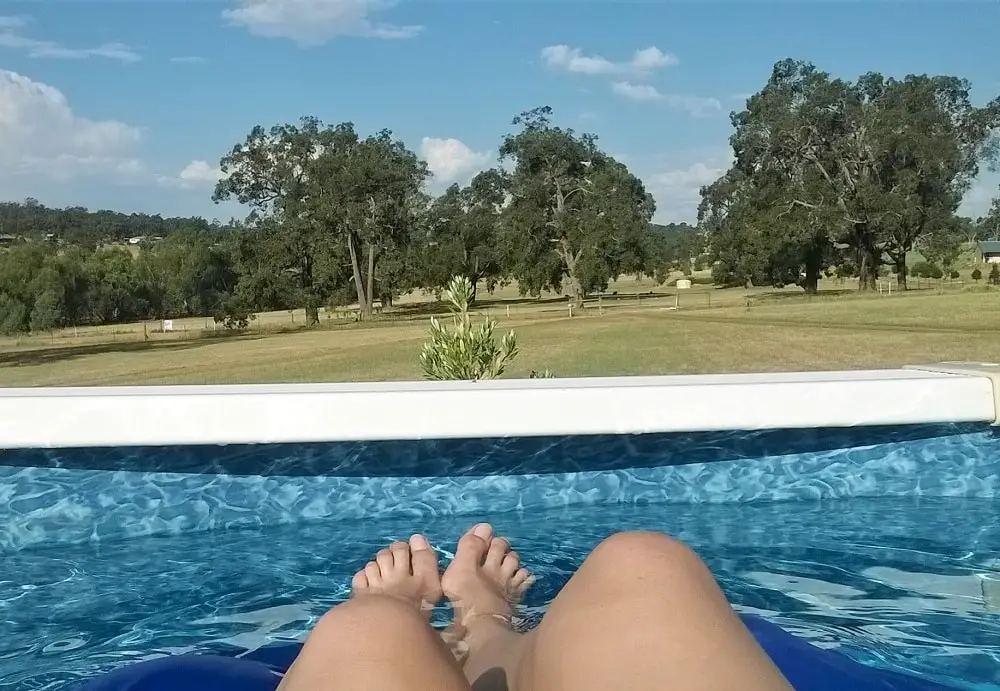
(906, 583)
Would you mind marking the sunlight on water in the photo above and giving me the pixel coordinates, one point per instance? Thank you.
(902, 583)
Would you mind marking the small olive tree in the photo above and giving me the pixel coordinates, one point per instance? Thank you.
(463, 350)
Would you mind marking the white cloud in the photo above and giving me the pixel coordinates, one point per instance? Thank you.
(313, 22)
(40, 135)
(697, 106)
(637, 92)
(645, 60)
(12, 22)
(980, 196)
(12, 38)
(199, 174)
(188, 60)
(676, 187)
(450, 159)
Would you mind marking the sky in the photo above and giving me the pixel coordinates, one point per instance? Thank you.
(130, 104)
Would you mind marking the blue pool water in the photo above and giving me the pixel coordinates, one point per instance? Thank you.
(883, 543)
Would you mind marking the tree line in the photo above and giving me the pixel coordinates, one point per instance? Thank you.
(339, 219)
(830, 177)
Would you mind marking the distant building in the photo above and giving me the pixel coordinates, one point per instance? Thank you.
(8, 240)
(989, 251)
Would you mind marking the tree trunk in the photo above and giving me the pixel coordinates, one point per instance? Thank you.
(575, 288)
(474, 279)
(867, 274)
(312, 312)
(813, 262)
(810, 283)
(371, 279)
(869, 257)
(363, 303)
(900, 264)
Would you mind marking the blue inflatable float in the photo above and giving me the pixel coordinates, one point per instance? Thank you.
(807, 667)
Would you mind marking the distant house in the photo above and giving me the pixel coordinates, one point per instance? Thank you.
(989, 251)
(8, 240)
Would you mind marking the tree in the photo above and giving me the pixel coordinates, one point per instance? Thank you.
(463, 233)
(79, 226)
(464, 351)
(988, 226)
(881, 160)
(977, 275)
(274, 173)
(575, 213)
(995, 274)
(755, 238)
(374, 189)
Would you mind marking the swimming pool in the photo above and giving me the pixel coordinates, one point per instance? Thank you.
(881, 540)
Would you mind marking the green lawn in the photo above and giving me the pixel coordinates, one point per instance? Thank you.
(713, 331)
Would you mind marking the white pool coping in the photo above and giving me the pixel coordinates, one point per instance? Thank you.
(249, 414)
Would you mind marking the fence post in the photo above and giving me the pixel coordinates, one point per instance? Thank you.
(508, 311)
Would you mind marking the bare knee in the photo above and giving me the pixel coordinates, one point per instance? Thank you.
(371, 617)
(639, 555)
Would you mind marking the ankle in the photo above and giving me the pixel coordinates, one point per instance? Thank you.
(481, 629)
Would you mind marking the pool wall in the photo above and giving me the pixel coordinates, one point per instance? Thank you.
(80, 465)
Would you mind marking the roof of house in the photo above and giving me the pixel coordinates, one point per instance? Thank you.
(989, 247)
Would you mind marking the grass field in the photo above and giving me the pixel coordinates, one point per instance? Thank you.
(632, 333)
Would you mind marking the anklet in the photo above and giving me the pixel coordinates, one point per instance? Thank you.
(505, 619)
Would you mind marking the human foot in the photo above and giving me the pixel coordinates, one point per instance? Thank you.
(405, 571)
(485, 579)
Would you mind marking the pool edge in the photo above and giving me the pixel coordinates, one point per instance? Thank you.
(80, 417)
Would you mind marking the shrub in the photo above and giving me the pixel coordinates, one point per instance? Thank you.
(846, 270)
(926, 270)
(464, 351)
(976, 274)
(953, 274)
(995, 274)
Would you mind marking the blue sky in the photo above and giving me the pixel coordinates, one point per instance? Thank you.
(130, 104)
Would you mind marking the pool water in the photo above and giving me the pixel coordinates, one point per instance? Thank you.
(911, 584)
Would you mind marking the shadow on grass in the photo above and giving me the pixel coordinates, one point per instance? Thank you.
(433, 308)
(51, 355)
(787, 296)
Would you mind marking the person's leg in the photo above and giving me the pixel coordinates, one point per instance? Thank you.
(643, 613)
(381, 640)
(483, 582)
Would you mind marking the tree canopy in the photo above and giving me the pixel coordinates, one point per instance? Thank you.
(829, 175)
(828, 171)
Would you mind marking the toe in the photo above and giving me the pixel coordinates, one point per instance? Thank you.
(384, 561)
(374, 574)
(499, 547)
(400, 552)
(473, 545)
(360, 581)
(483, 530)
(511, 563)
(424, 562)
(423, 557)
(521, 580)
